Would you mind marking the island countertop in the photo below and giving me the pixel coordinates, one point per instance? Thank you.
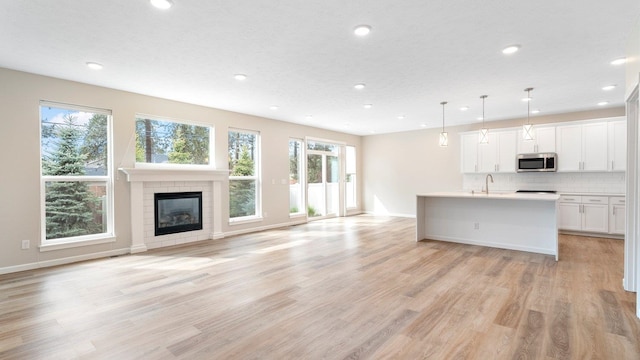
(515, 221)
(494, 195)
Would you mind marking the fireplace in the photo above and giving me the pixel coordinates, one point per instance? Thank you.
(177, 212)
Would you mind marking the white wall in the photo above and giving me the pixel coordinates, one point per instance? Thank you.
(20, 94)
(400, 165)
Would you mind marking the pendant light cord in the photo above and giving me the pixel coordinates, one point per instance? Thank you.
(443, 104)
(528, 90)
(483, 97)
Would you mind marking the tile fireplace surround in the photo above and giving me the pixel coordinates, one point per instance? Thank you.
(144, 183)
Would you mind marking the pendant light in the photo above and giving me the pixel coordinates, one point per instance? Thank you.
(444, 137)
(484, 132)
(527, 129)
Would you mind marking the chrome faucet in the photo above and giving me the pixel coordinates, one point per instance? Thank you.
(486, 181)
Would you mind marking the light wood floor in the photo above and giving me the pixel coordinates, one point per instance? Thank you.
(356, 287)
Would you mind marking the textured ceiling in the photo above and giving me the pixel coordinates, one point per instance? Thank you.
(303, 56)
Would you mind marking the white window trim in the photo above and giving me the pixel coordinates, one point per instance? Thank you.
(85, 240)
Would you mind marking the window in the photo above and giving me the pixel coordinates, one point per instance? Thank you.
(350, 186)
(296, 189)
(76, 178)
(168, 142)
(244, 176)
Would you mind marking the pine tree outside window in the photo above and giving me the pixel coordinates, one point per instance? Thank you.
(244, 176)
(161, 142)
(76, 177)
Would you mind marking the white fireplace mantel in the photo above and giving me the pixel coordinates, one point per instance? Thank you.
(138, 176)
(148, 174)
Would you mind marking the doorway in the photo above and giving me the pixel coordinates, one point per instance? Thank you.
(324, 190)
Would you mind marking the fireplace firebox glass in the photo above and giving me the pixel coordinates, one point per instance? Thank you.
(177, 212)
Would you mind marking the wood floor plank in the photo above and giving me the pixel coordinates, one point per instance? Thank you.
(355, 287)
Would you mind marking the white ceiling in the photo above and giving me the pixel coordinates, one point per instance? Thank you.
(303, 56)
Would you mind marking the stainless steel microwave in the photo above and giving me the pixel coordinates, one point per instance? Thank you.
(536, 162)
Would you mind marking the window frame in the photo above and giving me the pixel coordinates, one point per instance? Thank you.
(257, 178)
(347, 174)
(107, 180)
(302, 177)
(145, 165)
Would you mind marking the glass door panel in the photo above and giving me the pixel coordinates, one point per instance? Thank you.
(332, 184)
(316, 205)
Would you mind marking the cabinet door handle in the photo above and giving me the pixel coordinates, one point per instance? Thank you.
(594, 200)
(613, 163)
(614, 211)
(535, 148)
(570, 199)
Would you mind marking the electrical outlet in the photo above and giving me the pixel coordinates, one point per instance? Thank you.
(25, 244)
(476, 226)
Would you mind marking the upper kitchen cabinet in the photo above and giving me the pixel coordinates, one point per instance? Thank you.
(499, 155)
(618, 145)
(544, 140)
(469, 153)
(582, 147)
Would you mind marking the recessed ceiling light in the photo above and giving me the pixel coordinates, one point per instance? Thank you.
(274, 107)
(511, 49)
(536, 111)
(603, 103)
(240, 77)
(619, 61)
(368, 106)
(464, 108)
(359, 86)
(372, 131)
(309, 117)
(423, 125)
(362, 30)
(608, 87)
(400, 117)
(479, 118)
(526, 99)
(94, 66)
(161, 4)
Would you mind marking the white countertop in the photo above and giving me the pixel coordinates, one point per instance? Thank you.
(496, 195)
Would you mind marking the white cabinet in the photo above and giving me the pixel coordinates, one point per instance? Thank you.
(569, 216)
(544, 140)
(499, 155)
(584, 213)
(469, 153)
(617, 215)
(617, 145)
(582, 147)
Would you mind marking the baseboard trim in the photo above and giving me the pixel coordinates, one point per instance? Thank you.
(263, 228)
(591, 234)
(411, 216)
(62, 261)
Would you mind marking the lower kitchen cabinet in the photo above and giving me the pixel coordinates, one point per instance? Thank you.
(584, 213)
(617, 215)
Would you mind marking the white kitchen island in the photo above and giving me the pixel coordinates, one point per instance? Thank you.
(515, 221)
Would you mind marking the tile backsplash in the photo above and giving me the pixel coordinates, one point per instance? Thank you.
(602, 182)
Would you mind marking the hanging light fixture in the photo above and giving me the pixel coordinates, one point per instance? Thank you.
(444, 137)
(527, 129)
(484, 132)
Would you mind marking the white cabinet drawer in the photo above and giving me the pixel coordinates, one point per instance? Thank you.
(618, 200)
(571, 198)
(595, 200)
